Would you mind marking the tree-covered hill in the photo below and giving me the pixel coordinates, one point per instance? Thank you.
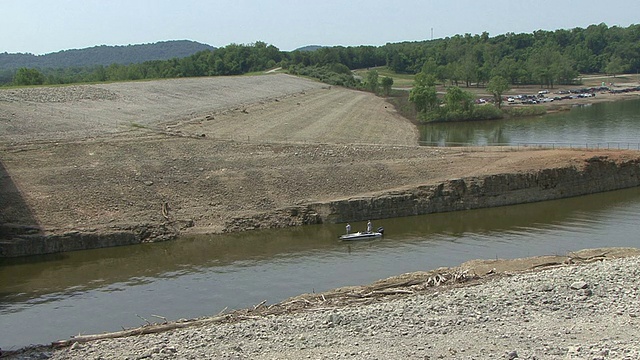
(310, 48)
(103, 55)
(547, 58)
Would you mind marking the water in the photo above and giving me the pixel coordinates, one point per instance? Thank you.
(46, 298)
(599, 125)
(55, 296)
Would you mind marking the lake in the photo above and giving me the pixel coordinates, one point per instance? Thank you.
(604, 125)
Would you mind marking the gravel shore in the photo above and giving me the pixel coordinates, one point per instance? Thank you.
(586, 311)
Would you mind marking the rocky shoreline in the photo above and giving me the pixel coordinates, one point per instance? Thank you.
(583, 306)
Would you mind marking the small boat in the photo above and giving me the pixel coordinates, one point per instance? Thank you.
(363, 235)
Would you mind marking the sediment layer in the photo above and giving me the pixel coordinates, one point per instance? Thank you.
(599, 174)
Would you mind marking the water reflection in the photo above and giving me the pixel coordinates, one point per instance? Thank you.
(106, 289)
(603, 124)
(24, 279)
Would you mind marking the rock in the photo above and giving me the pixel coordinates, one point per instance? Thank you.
(578, 285)
(546, 288)
(334, 319)
(585, 292)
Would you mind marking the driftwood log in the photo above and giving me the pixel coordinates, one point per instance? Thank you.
(147, 329)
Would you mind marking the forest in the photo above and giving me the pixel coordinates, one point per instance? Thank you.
(104, 55)
(547, 58)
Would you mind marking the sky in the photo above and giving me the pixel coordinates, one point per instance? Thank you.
(46, 26)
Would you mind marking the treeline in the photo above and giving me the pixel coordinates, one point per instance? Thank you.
(231, 60)
(104, 55)
(542, 57)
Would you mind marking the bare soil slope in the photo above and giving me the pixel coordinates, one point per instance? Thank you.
(80, 111)
(199, 152)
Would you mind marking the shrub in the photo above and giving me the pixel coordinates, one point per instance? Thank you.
(522, 111)
(330, 74)
(487, 112)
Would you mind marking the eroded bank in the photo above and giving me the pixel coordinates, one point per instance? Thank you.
(595, 174)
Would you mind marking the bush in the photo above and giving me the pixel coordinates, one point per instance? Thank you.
(476, 113)
(522, 111)
(330, 74)
(487, 112)
(400, 101)
(26, 76)
(340, 69)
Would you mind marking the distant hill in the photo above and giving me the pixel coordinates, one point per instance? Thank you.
(310, 48)
(104, 55)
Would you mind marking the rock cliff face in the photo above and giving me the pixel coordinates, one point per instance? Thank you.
(598, 175)
(36, 243)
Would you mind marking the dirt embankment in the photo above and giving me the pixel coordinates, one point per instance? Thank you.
(196, 153)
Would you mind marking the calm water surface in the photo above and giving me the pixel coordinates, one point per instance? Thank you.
(604, 124)
(52, 297)
(56, 296)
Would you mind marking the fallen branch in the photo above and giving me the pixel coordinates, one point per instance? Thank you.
(161, 317)
(148, 329)
(145, 320)
(261, 303)
(547, 264)
(165, 210)
(391, 292)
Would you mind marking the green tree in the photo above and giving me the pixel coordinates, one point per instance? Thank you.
(497, 86)
(387, 83)
(469, 69)
(564, 70)
(25, 76)
(399, 63)
(545, 64)
(458, 103)
(372, 81)
(615, 66)
(430, 67)
(508, 67)
(424, 95)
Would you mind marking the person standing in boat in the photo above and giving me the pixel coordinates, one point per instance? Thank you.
(369, 226)
(348, 228)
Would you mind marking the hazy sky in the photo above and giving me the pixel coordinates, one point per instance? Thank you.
(45, 26)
